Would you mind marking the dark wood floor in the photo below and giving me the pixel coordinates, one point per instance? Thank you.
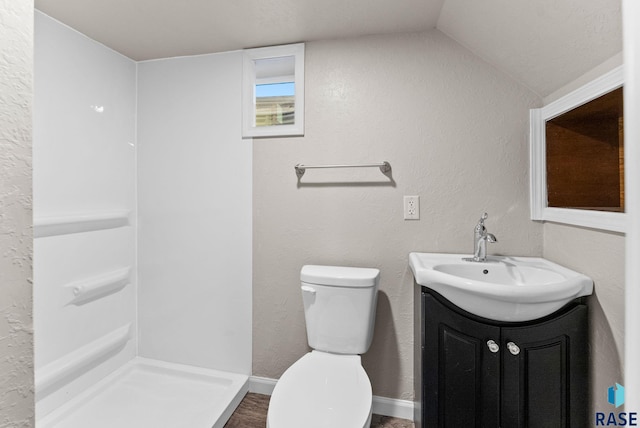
(252, 413)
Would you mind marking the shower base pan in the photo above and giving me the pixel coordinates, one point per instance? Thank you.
(147, 394)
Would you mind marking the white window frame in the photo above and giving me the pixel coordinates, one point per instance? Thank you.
(250, 56)
(540, 210)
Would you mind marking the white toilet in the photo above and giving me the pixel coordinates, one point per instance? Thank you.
(328, 388)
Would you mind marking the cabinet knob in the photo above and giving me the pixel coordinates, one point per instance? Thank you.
(513, 348)
(493, 346)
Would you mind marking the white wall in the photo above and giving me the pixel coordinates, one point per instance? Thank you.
(84, 165)
(599, 255)
(194, 193)
(16, 333)
(455, 132)
(599, 70)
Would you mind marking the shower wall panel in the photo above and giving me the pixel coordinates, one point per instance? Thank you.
(84, 212)
(194, 199)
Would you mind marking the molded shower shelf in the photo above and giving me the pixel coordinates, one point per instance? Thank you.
(59, 371)
(75, 223)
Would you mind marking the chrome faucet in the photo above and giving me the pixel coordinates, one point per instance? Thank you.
(480, 239)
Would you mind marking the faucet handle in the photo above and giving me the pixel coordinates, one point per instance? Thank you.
(480, 226)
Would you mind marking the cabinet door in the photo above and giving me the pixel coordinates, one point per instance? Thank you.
(461, 375)
(545, 370)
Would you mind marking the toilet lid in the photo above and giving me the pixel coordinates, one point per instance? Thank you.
(322, 390)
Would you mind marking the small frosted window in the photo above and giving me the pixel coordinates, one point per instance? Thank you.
(275, 104)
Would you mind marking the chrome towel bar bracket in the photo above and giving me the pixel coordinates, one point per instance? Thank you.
(385, 167)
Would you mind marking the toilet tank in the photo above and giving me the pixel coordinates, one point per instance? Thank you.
(339, 307)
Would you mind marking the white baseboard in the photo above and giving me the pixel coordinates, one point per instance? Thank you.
(381, 405)
(261, 385)
(393, 407)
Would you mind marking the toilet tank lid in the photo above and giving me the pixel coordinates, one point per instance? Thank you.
(341, 276)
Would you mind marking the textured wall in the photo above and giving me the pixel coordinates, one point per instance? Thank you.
(16, 92)
(542, 43)
(587, 77)
(455, 132)
(599, 255)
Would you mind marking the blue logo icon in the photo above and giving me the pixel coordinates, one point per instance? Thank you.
(615, 395)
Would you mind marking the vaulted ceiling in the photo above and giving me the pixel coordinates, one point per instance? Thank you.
(542, 43)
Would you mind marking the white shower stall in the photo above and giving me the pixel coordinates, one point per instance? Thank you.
(142, 226)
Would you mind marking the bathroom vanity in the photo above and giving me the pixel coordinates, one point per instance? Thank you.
(501, 343)
(474, 372)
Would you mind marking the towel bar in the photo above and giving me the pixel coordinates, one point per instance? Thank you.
(385, 167)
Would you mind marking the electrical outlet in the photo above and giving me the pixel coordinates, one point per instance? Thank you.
(412, 207)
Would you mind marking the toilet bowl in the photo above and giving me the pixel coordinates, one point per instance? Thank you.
(328, 387)
(322, 390)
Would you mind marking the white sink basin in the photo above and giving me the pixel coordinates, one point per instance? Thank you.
(502, 288)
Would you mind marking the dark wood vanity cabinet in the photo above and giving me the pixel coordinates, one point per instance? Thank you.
(474, 372)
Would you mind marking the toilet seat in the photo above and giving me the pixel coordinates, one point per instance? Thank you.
(322, 390)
